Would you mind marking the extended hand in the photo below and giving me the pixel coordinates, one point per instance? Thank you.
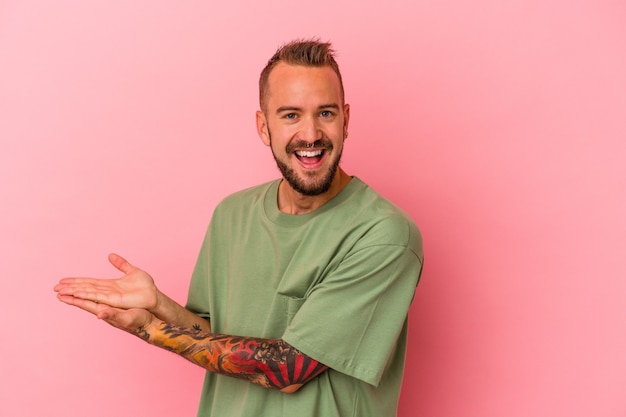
(135, 289)
(135, 320)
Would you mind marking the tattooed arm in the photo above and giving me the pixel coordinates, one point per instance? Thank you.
(271, 363)
(134, 304)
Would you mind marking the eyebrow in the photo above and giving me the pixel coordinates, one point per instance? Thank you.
(293, 108)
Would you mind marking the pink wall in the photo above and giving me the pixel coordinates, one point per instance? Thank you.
(499, 126)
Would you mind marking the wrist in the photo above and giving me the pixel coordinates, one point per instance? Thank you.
(169, 336)
(159, 305)
(148, 331)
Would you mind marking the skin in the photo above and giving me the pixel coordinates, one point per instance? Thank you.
(304, 112)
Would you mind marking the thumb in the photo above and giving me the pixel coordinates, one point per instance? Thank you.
(106, 315)
(133, 321)
(117, 318)
(120, 263)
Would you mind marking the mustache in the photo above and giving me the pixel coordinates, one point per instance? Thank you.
(301, 144)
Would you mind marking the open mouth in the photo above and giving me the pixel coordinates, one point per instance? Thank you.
(310, 156)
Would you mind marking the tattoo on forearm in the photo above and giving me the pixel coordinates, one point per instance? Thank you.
(272, 363)
(142, 333)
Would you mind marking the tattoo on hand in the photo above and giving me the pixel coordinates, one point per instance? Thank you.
(142, 333)
(272, 363)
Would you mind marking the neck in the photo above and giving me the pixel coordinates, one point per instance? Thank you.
(293, 202)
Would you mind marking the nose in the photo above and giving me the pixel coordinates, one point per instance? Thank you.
(310, 131)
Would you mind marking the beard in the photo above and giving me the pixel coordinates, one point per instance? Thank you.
(299, 184)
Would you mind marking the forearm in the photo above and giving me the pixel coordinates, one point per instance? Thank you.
(170, 311)
(271, 363)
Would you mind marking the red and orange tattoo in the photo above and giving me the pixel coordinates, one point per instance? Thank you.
(271, 363)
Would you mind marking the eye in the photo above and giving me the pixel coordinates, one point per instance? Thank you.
(290, 116)
(326, 113)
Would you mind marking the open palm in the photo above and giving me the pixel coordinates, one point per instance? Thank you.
(136, 289)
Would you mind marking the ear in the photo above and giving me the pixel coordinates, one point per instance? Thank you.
(346, 120)
(261, 128)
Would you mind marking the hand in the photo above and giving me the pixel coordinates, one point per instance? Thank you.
(135, 289)
(135, 320)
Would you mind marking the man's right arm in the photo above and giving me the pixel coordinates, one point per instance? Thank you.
(170, 311)
(136, 289)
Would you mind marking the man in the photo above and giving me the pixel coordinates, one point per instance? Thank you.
(302, 285)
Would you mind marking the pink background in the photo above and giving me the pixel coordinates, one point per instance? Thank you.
(499, 126)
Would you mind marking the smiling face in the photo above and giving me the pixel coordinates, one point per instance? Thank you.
(305, 123)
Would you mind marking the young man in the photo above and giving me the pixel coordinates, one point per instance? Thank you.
(302, 285)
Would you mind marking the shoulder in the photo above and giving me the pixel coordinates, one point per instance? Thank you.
(380, 221)
(244, 199)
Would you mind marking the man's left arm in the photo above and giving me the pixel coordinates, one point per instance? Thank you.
(271, 363)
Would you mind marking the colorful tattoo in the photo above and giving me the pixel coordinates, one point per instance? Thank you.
(272, 363)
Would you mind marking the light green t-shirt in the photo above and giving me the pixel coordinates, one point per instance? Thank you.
(335, 283)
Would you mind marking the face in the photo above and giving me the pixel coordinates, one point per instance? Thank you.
(305, 123)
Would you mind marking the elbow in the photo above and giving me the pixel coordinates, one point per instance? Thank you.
(290, 389)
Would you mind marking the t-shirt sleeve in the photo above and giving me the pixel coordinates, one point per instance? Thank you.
(352, 319)
(198, 295)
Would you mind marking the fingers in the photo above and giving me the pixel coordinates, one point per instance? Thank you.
(86, 288)
(95, 289)
(135, 289)
(120, 263)
(87, 305)
(79, 283)
(127, 320)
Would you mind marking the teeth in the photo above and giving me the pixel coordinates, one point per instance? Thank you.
(309, 154)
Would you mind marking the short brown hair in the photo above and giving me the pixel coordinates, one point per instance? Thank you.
(310, 53)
